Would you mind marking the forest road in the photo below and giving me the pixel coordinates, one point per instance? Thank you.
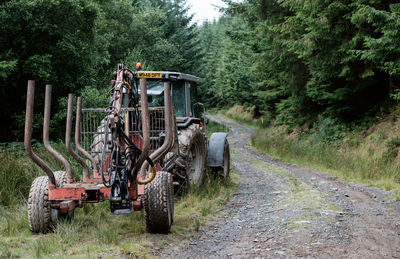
(282, 210)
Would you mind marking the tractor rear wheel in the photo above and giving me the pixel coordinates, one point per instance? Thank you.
(192, 144)
(159, 203)
(42, 218)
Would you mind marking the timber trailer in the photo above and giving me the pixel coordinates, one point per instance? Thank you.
(136, 152)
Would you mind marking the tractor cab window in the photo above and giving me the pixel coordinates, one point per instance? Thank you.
(155, 92)
(178, 98)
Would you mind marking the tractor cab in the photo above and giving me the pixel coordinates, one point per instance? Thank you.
(181, 85)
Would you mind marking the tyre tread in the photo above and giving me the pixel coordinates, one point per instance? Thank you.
(157, 203)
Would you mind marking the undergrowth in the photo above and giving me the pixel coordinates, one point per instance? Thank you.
(247, 116)
(17, 171)
(212, 127)
(94, 232)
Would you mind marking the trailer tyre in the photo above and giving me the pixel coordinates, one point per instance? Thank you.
(39, 206)
(42, 218)
(159, 203)
(56, 215)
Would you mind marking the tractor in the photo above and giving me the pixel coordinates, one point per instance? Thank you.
(146, 145)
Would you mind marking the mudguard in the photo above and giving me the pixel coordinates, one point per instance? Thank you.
(215, 151)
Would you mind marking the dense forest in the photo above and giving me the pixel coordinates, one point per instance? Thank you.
(76, 45)
(332, 64)
(326, 63)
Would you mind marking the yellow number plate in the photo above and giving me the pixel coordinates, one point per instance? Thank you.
(149, 75)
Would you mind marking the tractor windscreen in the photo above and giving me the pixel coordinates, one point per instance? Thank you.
(155, 91)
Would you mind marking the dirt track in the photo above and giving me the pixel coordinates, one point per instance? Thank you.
(286, 211)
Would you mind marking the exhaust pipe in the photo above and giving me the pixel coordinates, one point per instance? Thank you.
(77, 138)
(68, 130)
(46, 124)
(28, 134)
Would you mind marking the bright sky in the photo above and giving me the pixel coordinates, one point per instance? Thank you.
(204, 9)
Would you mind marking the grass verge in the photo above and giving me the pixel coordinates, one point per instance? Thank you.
(369, 157)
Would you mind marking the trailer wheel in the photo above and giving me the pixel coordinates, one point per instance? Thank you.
(56, 215)
(192, 144)
(42, 218)
(39, 206)
(159, 203)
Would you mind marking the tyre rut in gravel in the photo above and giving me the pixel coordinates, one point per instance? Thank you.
(287, 211)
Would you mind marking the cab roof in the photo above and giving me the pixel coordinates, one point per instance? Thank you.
(166, 75)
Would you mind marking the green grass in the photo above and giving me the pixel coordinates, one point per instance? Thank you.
(17, 171)
(349, 164)
(212, 127)
(95, 232)
(244, 115)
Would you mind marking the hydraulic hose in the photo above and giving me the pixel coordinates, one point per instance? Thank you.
(151, 178)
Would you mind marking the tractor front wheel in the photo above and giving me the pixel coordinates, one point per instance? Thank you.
(159, 203)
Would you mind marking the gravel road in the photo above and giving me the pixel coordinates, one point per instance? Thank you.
(282, 210)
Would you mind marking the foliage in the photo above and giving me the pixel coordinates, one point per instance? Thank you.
(226, 64)
(76, 45)
(297, 63)
(305, 62)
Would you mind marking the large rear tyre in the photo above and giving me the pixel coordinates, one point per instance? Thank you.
(159, 203)
(192, 144)
(42, 218)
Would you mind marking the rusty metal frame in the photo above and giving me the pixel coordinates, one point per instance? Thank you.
(85, 168)
(46, 141)
(73, 194)
(169, 128)
(145, 126)
(28, 134)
